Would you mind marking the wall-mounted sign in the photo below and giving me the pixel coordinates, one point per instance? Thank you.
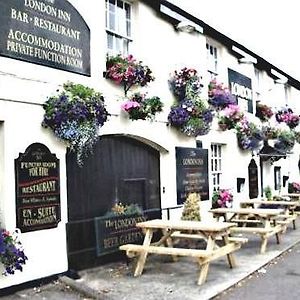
(112, 232)
(241, 87)
(37, 189)
(191, 173)
(45, 32)
(253, 179)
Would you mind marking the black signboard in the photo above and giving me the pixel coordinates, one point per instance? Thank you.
(253, 179)
(241, 87)
(37, 189)
(191, 173)
(112, 232)
(45, 32)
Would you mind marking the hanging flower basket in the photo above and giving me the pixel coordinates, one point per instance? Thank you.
(219, 96)
(186, 83)
(191, 118)
(249, 136)
(75, 115)
(11, 252)
(285, 141)
(139, 107)
(229, 117)
(127, 71)
(287, 116)
(263, 112)
(190, 114)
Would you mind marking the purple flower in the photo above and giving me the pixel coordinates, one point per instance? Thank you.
(178, 116)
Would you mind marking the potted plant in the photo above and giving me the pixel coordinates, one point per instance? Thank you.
(285, 140)
(127, 71)
(191, 208)
(12, 255)
(75, 115)
(139, 106)
(268, 192)
(222, 198)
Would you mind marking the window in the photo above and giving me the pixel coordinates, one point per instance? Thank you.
(277, 178)
(118, 26)
(216, 165)
(212, 59)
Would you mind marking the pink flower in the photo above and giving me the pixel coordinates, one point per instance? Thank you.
(128, 105)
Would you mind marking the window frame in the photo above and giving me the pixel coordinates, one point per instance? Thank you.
(121, 32)
(216, 163)
(212, 58)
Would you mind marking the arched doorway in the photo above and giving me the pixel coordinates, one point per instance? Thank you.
(122, 169)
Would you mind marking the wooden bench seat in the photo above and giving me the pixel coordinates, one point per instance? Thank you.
(246, 221)
(166, 250)
(233, 239)
(252, 230)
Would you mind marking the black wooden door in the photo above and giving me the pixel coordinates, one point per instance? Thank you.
(121, 169)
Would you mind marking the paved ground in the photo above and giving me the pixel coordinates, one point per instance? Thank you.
(166, 280)
(278, 280)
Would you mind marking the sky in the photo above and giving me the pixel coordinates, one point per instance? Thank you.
(271, 29)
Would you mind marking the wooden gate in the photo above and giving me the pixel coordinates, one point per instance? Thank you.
(121, 169)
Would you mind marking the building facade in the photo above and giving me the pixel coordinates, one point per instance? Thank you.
(49, 42)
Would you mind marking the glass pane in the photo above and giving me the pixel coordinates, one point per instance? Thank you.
(212, 165)
(220, 165)
(128, 11)
(112, 21)
(125, 47)
(220, 151)
(211, 50)
(216, 164)
(112, 5)
(118, 45)
(120, 4)
(110, 41)
(128, 28)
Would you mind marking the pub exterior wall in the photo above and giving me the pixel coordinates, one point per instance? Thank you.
(24, 87)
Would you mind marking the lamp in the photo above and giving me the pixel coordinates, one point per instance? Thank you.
(186, 26)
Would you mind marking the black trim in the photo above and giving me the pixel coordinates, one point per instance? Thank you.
(262, 64)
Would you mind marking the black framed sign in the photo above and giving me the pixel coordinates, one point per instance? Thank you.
(46, 32)
(37, 189)
(241, 87)
(253, 179)
(191, 173)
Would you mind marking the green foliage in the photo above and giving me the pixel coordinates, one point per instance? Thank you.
(191, 208)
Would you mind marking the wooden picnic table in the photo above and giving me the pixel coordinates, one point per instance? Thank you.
(211, 233)
(263, 221)
(288, 216)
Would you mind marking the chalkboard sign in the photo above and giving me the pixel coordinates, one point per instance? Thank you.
(45, 32)
(114, 231)
(37, 189)
(253, 179)
(191, 173)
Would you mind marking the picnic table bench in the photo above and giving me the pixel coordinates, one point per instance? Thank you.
(211, 233)
(288, 216)
(263, 222)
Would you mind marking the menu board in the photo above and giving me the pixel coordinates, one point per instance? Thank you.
(191, 173)
(37, 189)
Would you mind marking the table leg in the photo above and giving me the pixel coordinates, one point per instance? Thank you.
(143, 255)
(204, 268)
(264, 237)
(230, 256)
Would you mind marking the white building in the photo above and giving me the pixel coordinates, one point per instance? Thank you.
(165, 38)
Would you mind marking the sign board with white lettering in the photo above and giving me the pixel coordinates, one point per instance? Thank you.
(114, 231)
(45, 32)
(241, 87)
(37, 189)
(191, 173)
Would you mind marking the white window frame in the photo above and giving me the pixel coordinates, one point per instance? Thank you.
(216, 165)
(212, 58)
(118, 24)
